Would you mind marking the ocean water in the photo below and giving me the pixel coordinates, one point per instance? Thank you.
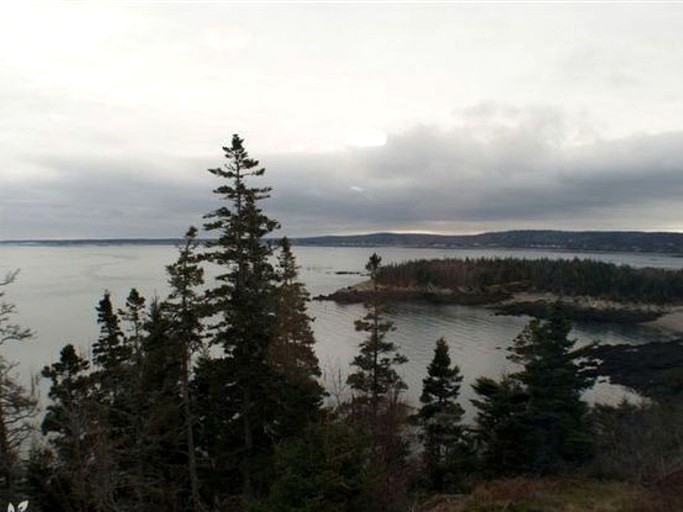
(58, 288)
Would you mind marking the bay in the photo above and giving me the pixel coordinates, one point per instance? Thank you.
(58, 288)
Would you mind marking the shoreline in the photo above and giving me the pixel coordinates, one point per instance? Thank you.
(669, 321)
(667, 317)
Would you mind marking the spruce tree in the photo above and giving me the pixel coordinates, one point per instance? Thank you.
(375, 377)
(244, 300)
(291, 350)
(185, 308)
(111, 354)
(553, 379)
(69, 424)
(501, 432)
(440, 418)
(534, 420)
(163, 474)
(118, 411)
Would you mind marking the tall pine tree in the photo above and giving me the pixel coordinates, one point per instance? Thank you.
(185, 308)
(291, 350)
(375, 376)
(244, 302)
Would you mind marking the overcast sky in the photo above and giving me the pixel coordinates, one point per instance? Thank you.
(451, 118)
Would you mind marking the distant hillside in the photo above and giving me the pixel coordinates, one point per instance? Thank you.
(608, 241)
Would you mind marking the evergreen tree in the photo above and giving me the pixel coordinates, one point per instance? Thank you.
(553, 380)
(376, 410)
(186, 308)
(162, 472)
(501, 431)
(323, 471)
(134, 314)
(445, 450)
(69, 423)
(375, 377)
(110, 352)
(534, 420)
(118, 412)
(244, 300)
(291, 350)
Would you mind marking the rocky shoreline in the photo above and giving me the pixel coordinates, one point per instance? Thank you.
(654, 370)
(576, 311)
(506, 302)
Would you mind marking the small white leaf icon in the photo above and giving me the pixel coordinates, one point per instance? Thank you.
(23, 506)
(10, 508)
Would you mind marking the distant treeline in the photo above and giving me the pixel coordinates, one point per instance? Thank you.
(592, 278)
(608, 241)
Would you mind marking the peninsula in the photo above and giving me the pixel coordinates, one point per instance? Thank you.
(585, 289)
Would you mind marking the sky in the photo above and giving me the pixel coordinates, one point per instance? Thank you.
(442, 118)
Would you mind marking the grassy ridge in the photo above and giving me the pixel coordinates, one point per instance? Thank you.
(560, 495)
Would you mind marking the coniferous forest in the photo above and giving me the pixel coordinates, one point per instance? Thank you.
(210, 399)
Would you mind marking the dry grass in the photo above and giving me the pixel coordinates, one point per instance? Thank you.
(559, 495)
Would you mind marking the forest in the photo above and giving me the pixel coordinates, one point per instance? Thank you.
(562, 277)
(210, 399)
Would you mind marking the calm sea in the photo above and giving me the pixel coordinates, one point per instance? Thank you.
(59, 286)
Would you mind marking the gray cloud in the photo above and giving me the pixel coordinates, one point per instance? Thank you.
(480, 176)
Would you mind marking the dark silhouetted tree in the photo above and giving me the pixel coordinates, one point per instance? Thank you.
(244, 302)
(553, 379)
(534, 421)
(375, 377)
(291, 350)
(440, 416)
(186, 308)
(17, 405)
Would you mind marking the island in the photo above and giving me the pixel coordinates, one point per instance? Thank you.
(584, 289)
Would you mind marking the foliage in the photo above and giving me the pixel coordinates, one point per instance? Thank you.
(501, 432)
(573, 277)
(375, 377)
(446, 450)
(556, 495)
(376, 409)
(326, 470)
(640, 443)
(534, 420)
(184, 309)
(290, 352)
(265, 385)
(17, 405)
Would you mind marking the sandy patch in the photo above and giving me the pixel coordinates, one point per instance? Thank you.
(671, 321)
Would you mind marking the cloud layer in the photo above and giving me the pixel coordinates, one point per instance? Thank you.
(509, 168)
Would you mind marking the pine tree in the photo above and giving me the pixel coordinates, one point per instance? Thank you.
(119, 413)
(162, 477)
(110, 352)
(534, 420)
(375, 377)
(69, 423)
(134, 314)
(553, 380)
(501, 431)
(244, 299)
(440, 418)
(186, 309)
(291, 350)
